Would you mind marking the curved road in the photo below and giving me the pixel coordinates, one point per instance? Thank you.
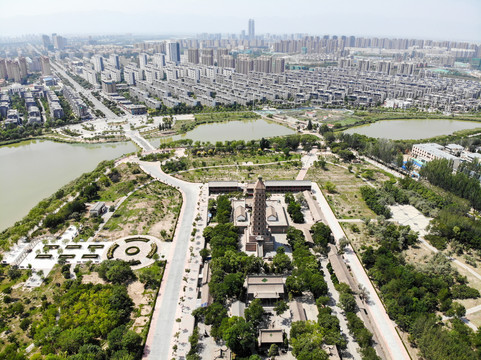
(163, 321)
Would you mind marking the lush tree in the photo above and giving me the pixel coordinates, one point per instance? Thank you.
(348, 302)
(280, 307)
(116, 271)
(330, 187)
(254, 313)
(240, 336)
(281, 262)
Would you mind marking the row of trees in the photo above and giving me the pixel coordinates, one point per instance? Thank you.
(308, 337)
(440, 173)
(223, 210)
(374, 201)
(284, 144)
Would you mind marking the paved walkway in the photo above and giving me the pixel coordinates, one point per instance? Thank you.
(163, 326)
(388, 336)
(188, 297)
(307, 161)
(140, 140)
(352, 347)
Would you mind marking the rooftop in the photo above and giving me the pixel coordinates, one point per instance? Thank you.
(270, 336)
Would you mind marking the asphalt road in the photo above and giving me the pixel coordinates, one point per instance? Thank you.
(163, 321)
(392, 344)
(108, 113)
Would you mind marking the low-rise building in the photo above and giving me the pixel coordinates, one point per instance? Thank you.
(98, 209)
(267, 288)
(13, 118)
(432, 151)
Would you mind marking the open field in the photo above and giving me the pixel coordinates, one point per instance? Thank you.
(152, 210)
(279, 171)
(238, 159)
(324, 116)
(346, 202)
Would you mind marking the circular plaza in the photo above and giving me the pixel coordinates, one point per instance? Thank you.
(139, 250)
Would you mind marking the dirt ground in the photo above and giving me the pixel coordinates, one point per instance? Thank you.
(92, 278)
(152, 210)
(346, 201)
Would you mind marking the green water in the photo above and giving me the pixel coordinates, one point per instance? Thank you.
(412, 129)
(232, 130)
(33, 170)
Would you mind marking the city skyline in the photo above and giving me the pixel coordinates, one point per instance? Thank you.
(429, 19)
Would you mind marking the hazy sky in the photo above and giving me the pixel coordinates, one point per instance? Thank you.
(427, 19)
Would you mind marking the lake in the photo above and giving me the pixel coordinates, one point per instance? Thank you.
(231, 130)
(412, 129)
(33, 170)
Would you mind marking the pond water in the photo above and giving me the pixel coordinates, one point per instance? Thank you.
(33, 170)
(231, 130)
(412, 129)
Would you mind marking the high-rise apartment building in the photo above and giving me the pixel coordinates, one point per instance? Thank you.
(207, 57)
(193, 56)
(46, 41)
(219, 54)
(244, 64)
(173, 52)
(3, 69)
(98, 62)
(45, 61)
(58, 41)
(263, 64)
(114, 61)
(278, 65)
(143, 59)
(227, 61)
(22, 63)
(13, 71)
(252, 30)
(159, 60)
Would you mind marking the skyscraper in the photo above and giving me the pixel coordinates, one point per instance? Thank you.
(252, 31)
(46, 41)
(173, 52)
